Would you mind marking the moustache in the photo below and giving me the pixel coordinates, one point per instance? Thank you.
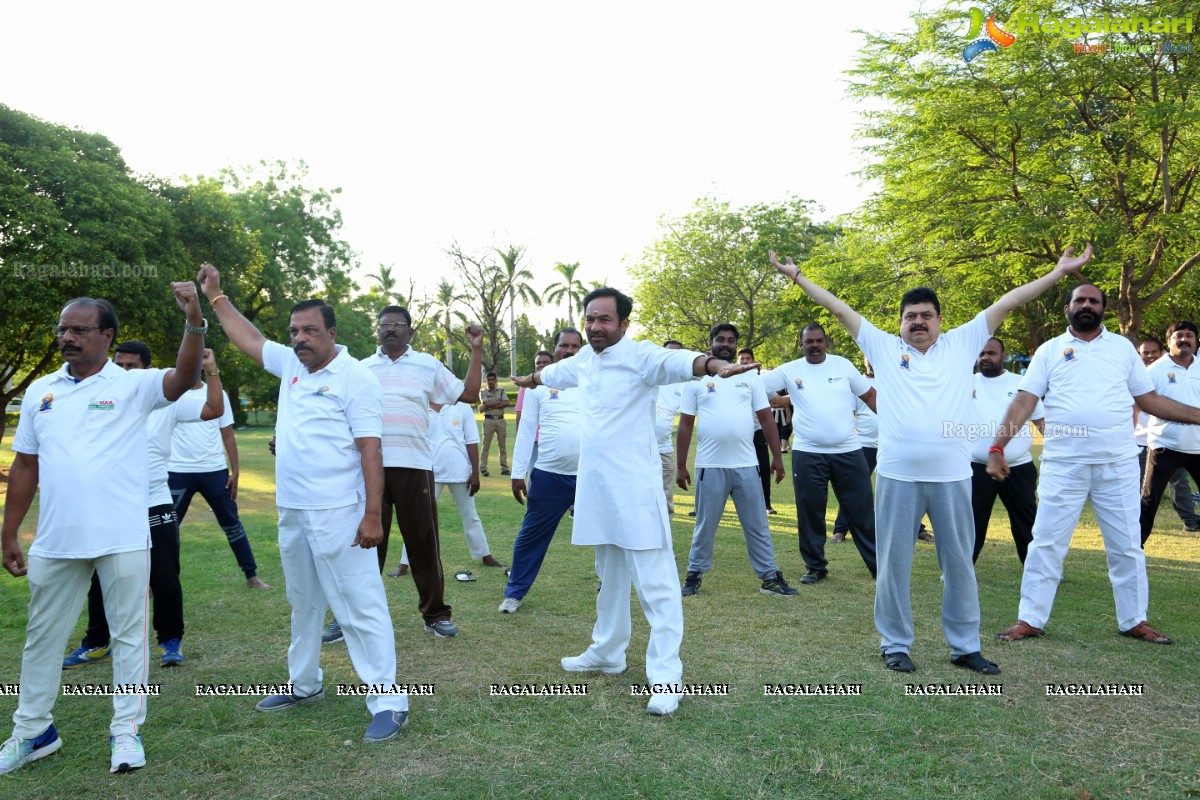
(300, 347)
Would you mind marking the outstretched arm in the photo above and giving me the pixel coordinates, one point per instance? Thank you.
(1067, 265)
(241, 331)
(822, 297)
(1166, 408)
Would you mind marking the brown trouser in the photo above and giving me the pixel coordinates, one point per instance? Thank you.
(410, 493)
(499, 429)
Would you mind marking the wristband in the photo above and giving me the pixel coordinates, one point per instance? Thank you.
(994, 449)
(213, 302)
(198, 330)
(706, 362)
(212, 374)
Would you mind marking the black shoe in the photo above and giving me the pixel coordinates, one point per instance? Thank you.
(771, 510)
(691, 584)
(692, 513)
(814, 575)
(505, 471)
(484, 473)
(777, 585)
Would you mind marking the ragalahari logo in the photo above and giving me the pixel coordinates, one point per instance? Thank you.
(982, 44)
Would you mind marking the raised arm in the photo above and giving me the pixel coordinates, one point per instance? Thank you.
(214, 398)
(1067, 265)
(475, 368)
(846, 315)
(241, 331)
(191, 352)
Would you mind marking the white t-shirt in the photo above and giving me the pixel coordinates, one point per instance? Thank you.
(320, 415)
(924, 401)
(990, 399)
(866, 423)
(410, 384)
(666, 408)
(552, 417)
(450, 431)
(823, 401)
(90, 439)
(619, 499)
(199, 447)
(1088, 389)
(162, 423)
(723, 408)
(1181, 384)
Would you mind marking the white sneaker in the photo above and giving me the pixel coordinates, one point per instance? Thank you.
(127, 752)
(586, 662)
(510, 605)
(16, 753)
(663, 704)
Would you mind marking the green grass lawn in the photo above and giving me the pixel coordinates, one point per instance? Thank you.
(462, 742)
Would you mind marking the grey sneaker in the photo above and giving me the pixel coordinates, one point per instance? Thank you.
(278, 702)
(385, 725)
(510, 605)
(691, 584)
(777, 585)
(442, 629)
(332, 633)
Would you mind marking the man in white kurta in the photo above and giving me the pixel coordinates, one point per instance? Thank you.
(619, 507)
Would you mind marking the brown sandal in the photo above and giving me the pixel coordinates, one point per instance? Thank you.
(1022, 630)
(1146, 633)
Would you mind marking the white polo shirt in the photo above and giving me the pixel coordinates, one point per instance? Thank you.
(1181, 384)
(1088, 389)
(553, 416)
(161, 425)
(450, 431)
(199, 447)
(824, 397)
(410, 383)
(320, 415)
(666, 408)
(924, 401)
(619, 499)
(723, 408)
(866, 423)
(990, 399)
(90, 439)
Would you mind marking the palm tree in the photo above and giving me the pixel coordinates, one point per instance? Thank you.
(447, 296)
(570, 290)
(515, 280)
(386, 281)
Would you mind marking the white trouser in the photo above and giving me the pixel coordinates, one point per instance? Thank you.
(323, 571)
(1062, 489)
(655, 577)
(472, 525)
(57, 589)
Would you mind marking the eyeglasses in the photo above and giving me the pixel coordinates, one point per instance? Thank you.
(392, 326)
(59, 331)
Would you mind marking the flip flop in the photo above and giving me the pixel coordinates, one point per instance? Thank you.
(464, 577)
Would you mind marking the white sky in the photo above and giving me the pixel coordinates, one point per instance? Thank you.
(567, 127)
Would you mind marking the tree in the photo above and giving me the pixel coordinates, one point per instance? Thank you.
(989, 169)
(445, 300)
(516, 281)
(489, 296)
(570, 290)
(711, 266)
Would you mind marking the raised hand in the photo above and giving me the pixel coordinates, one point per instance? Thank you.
(525, 381)
(1072, 265)
(209, 280)
(788, 269)
(209, 363)
(474, 335)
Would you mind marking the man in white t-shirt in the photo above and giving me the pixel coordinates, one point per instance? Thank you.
(454, 437)
(993, 390)
(1171, 447)
(540, 359)
(761, 452)
(619, 505)
(166, 592)
(726, 465)
(329, 488)
(552, 416)
(1085, 377)
(824, 390)
(666, 409)
(924, 382)
(81, 446)
(1182, 500)
(198, 465)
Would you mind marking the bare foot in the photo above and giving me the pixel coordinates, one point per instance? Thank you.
(489, 561)
(256, 583)
(399, 571)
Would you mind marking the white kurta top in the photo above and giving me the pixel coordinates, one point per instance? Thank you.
(619, 498)
(450, 431)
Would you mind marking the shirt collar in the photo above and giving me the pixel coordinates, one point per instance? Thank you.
(408, 350)
(337, 362)
(109, 370)
(1070, 333)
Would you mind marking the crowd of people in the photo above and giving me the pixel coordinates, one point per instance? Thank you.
(943, 426)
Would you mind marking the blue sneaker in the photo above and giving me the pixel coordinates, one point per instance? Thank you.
(385, 725)
(16, 753)
(332, 633)
(83, 656)
(127, 752)
(170, 654)
(442, 629)
(278, 702)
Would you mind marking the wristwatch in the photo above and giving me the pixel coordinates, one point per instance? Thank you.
(190, 328)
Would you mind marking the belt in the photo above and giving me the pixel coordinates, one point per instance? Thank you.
(489, 416)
